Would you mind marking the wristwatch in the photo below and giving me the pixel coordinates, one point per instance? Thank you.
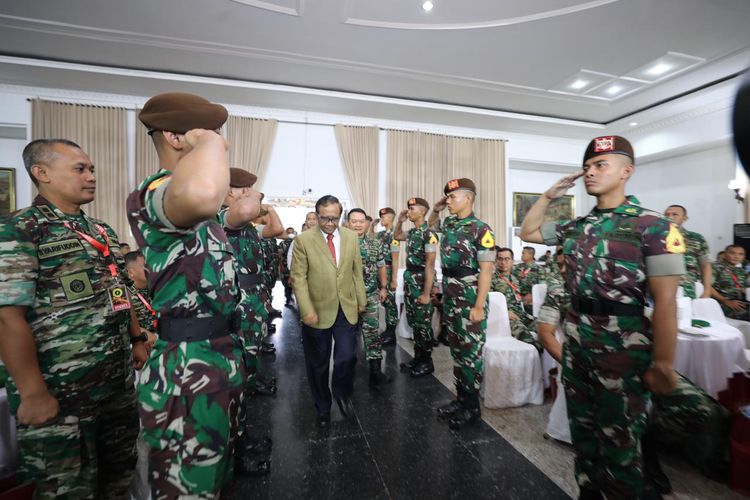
(139, 338)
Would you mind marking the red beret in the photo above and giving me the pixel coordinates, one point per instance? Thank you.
(386, 210)
(239, 178)
(457, 184)
(418, 201)
(609, 145)
(179, 112)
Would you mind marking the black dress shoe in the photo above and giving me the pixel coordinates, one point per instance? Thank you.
(274, 313)
(443, 339)
(447, 411)
(271, 328)
(464, 418)
(590, 492)
(264, 389)
(422, 369)
(246, 467)
(267, 349)
(258, 446)
(435, 342)
(377, 378)
(324, 420)
(345, 406)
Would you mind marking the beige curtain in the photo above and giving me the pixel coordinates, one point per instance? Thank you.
(146, 159)
(419, 164)
(250, 144)
(101, 133)
(358, 147)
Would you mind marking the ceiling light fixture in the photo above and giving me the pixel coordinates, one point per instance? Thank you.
(659, 69)
(578, 84)
(427, 6)
(633, 124)
(614, 89)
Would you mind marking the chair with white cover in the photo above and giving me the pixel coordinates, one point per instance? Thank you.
(404, 330)
(512, 369)
(557, 424)
(538, 293)
(708, 309)
(400, 291)
(698, 289)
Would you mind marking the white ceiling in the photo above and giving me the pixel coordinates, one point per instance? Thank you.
(506, 55)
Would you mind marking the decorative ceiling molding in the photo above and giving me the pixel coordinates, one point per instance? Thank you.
(494, 23)
(723, 106)
(274, 7)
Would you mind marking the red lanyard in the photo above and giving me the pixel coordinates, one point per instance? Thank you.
(103, 248)
(148, 306)
(736, 281)
(515, 290)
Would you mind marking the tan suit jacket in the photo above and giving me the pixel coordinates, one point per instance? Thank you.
(320, 286)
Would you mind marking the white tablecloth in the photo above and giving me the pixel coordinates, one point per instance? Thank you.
(8, 449)
(710, 361)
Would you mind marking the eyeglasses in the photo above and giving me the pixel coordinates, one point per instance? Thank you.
(328, 220)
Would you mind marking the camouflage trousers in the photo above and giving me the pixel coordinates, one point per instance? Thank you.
(191, 435)
(521, 329)
(88, 455)
(732, 314)
(369, 325)
(607, 399)
(466, 339)
(419, 316)
(391, 313)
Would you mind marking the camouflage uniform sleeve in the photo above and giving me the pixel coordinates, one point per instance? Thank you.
(381, 252)
(19, 265)
(551, 233)
(152, 199)
(663, 248)
(549, 313)
(430, 241)
(703, 255)
(485, 244)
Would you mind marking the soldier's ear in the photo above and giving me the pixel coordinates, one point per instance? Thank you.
(176, 141)
(39, 172)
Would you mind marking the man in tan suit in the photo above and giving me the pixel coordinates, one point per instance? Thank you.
(330, 291)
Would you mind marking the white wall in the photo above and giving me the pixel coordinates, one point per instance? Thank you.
(699, 182)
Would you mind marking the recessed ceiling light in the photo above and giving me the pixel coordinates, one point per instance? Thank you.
(633, 124)
(427, 6)
(578, 84)
(614, 89)
(659, 69)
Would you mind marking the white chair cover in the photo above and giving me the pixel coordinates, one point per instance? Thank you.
(708, 309)
(684, 312)
(381, 318)
(680, 292)
(538, 293)
(8, 446)
(742, 326)
(404, 330)
(512, 369)
(698, 289)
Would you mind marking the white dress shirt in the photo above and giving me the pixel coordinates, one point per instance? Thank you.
(336, 243)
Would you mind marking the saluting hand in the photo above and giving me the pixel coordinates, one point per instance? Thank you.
(476, 314)
(402, 215)
(192, 137)
(37, 409)
(440, 204)
(561, 187)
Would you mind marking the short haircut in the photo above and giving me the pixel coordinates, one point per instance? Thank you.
(40, 151)
(355, 211)
(530, 249)
(326, 200)
(734, 246)
(368, 218)
(505, 249)
(131, 257)
(684, 210)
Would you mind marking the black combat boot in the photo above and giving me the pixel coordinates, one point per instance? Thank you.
(652, 470)
(590, 492)
(452, 408)
(377, 377)
(469, 413)
(389, 336)
(413, 361)
(425, 366)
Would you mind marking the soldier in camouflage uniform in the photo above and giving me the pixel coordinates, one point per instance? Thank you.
(191, 386)
(611, 357)
(697, 258)
(286, 242)
(528, 273)
(506, 282)
(67, 327)
(467, 253)
(730, 280)
(387, 215)
(421, 248)
(374, 273)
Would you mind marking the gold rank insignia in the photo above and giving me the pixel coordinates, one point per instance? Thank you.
(631, 210)
(488, 241)
(395, 243)
(158, 182)
(433, 240)
(675, 241)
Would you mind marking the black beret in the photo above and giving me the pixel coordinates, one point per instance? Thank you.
(179, 112)
(386, 210)
(609, 145)
(457, 184)
(418, 201)
(239, 178)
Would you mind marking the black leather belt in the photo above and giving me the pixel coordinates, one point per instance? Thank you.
(604, 307)
(414, 269)
(460, 272)
(248, 280)
(194, 329)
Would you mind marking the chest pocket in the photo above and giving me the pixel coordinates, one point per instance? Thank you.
(66, 271)
(620, 245)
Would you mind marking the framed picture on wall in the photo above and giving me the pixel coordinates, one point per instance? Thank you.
(7, 191)
(561, 209)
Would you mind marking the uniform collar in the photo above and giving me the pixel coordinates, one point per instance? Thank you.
(42, 201)
(631, 206)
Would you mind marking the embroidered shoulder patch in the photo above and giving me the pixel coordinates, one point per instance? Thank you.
(433, 240)
(158, 182)
(675, 241)
(488, 241)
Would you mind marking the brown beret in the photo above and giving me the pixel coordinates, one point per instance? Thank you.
(179, 112)
(239, 178)
(418, 201)
(386, 210)
(609, 145)
(457, 184)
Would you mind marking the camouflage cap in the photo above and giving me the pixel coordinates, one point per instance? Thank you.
(179, 112)
(386, 210)
(463, 183)
(239, 178)
(609, 145)
(418, 201)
